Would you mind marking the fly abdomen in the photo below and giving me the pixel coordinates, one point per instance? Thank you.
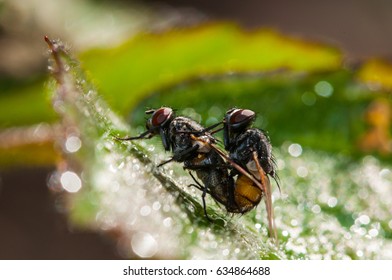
(246, 196)
(211, 170)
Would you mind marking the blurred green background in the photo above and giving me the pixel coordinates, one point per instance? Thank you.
(316, 86)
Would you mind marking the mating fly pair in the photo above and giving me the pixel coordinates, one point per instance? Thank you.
(238, 177)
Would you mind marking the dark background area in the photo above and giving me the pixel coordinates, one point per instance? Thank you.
(30, 228)
(361, 28)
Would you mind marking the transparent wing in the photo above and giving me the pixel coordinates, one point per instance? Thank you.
(266, 188)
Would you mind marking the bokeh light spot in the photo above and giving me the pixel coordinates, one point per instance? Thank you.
(73, 144)
(295, 150)
(71, 182)
(144, 244)
(323, 89)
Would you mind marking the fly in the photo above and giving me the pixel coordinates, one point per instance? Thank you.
(236, 178)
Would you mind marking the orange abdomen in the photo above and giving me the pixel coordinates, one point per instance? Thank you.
(246, 194)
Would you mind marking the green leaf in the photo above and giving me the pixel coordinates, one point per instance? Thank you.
(25, 104)
(331, 206)
(118, 187)
(330, 132)
(151, 61)
(291, 107)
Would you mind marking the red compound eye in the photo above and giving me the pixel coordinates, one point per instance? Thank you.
(241, 116)
(160, 116)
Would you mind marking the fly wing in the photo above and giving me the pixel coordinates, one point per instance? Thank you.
(235, 165)
(266, 188)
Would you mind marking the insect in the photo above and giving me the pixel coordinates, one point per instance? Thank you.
(194, 152)
(164, 123)
(241, 141)
(237, 180)
(249, 152)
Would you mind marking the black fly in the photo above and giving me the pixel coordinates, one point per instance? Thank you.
(238, 180)
(194, 152)
(250, 154)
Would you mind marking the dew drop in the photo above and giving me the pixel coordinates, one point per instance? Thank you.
(385, 173)
(121, 165)
(167, 222)
(73, 144)
(361, 231)
(136, 167)
(70, 181)
(166, 208)
(90, 93)
(156, 205)
(332, 202)
(109, 145)
(144, 244)
(295, 150)
(58, 106)
(359, 253)
(145, 211)
(373, 232)
(190, 230)
(112, 168)
(225, 252)
(324, 89)
(316, 209)
(364, 219)
(302, 171)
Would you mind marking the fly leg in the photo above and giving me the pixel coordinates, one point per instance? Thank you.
(205, 130)
(180, 156)
(145, 135)
(203, 196)
(231, 196)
